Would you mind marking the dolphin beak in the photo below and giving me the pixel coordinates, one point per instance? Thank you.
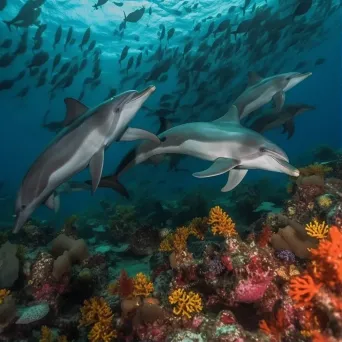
(287, 168)
(305, 75)
(144, 93)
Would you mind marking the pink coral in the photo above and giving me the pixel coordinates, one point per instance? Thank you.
(248, 291)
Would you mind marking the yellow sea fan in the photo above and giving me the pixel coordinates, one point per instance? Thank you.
(95, 310)
(142, 285)
(198, 226)
(3, 294)
(221, 223)
(186, 303)
(62, 338)
(101, 332)
(315, 170)
(317, 230)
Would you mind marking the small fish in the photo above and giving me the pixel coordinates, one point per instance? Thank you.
(135, 16)
(6, 60)
(139, 58)
(6, 84)
(3, 4)
(39, 59)
(23, 92)
(197, 27)
(85, 38)
(320, 61)
(302, 8)
(100, 3)
(68, 38)
(58, 36)
(56, 61)
(162, 32)
(129, 64)
(20, 75)
(123, 54)
(170, 33)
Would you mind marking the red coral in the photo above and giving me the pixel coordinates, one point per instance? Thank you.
(125, 285)
(264, 236)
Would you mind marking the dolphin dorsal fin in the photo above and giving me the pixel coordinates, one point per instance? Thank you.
(232, 116)
(253, 78)
(74, 109)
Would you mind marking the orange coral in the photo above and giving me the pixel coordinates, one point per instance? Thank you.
(199, 225)
(186, 303)
(97, 312)
(221, 223)
(303, 289)
(317, 230)
(123, 286)
(315, 169)
(275, 327)
(3, 294)
(142, 285)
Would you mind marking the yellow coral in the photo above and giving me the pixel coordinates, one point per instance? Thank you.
(199, 226)
(317, 230)
(186, 303)
(45, 334)
(3, 294)
(97, 312)
(142, 285)
(177, 241)
(101, 332)
(221, 223)
(315, 170)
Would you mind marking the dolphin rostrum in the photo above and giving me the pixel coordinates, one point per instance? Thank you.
(230, 146)
(260, 91)
(79, 144)
(272, 119)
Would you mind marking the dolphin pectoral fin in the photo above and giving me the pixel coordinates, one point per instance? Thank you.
(253, 78)
(74, 109)
(232, 116)
(220, 166)
(137, 133)
(96, 166)
(279, 100)
(289, 127)
(57, 202)
(234, 179)
(51, 202)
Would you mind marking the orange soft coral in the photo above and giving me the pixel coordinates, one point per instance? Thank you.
(45, 334)
(142, 285)
(97, 312)
(303, 289)
(315, 170)
(186, 303)
(221, 223)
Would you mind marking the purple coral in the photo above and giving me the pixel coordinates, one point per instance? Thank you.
(286, 256)
(215, 266)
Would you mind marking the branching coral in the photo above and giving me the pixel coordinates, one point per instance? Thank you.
(221, 223)
(177, 241)
(186, 303)
(303, 289)
(3, 294)
(97, 312)
(142, 285)
(317, 230)
(199, 226)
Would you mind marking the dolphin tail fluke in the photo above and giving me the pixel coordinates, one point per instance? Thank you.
(112, 182)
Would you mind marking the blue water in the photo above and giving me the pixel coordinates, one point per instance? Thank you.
(22, 137)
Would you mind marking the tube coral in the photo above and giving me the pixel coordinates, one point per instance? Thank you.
(221, 223)
(186, 303)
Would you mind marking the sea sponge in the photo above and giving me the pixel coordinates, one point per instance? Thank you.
(221, 223)
(67, 251)
(142, 285)
(186, 303)
(33, 313)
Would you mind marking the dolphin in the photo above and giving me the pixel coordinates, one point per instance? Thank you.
(230, 146)
(80, 144)
(262, 90)
(273, 119)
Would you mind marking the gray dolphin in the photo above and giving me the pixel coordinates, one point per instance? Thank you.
(262, 90)
(80, 144)
(273, 119)
(230, 146)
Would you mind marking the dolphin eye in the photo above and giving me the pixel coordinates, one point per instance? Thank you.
(117, 110)
(288, 78)
(262, 149)
(23, 207)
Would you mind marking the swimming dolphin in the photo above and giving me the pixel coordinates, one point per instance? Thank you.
(80, 144)
(230, 146)
(262, 90)
(272, 119)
